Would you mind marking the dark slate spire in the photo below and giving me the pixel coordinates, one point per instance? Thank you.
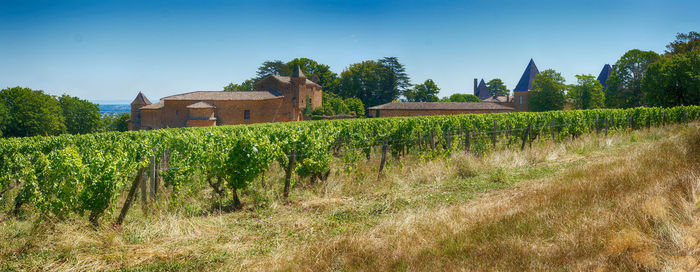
(140, 100)
(604, 74)
(525, 83)
(483, 91)
(298, 73)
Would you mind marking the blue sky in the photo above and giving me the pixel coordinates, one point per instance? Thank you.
(110, 50)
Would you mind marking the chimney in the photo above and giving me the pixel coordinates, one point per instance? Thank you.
(475, 83)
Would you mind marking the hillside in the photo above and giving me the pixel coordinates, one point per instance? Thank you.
(622, 202)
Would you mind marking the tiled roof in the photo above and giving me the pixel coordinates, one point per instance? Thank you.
(441, 106)
(499, 99)
(221, 95)
(604, 74)
(287, 79)
(140, 100)
(155, 106)
(201, 105)
(525, 83)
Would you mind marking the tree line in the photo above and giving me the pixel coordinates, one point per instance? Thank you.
(26, 112)
(639, 78)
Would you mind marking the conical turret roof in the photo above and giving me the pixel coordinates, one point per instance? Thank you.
(604, 74)
(525, 83)
(140, 100)
(483, 91)
(298, 73)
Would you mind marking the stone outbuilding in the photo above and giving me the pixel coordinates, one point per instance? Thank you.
(435, 108)
(276, 99)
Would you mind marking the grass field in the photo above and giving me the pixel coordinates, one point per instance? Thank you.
(628, 201)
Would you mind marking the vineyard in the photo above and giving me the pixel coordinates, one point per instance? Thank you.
(87, 174)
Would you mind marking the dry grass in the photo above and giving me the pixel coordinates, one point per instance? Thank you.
(626, 202)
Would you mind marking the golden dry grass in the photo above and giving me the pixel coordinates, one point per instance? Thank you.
(625, 202)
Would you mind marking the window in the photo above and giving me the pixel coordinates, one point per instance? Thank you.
(246, 115)
(521, 100)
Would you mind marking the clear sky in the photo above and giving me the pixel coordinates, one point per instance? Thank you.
(110, 50)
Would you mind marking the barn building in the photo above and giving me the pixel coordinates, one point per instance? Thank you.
(276, 99)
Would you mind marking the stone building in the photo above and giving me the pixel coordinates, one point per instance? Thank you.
(276, 99)
(435, 108)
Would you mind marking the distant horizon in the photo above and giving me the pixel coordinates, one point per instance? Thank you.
(111, 50)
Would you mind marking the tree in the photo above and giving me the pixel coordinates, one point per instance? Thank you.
(624, 85)
(394, 77)
(426, 92)
(362, 81)
(548, 91)
(684, 43)
(245, 86)
(587, 94)
(673, 81)
(4, 117)
(374, 82)
(116, 123)
(81, 116)
(275, 67)
(355, 106)
(32, 113)
(497, 87)
(461, 98)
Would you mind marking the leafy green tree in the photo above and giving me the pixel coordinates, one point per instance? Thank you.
(362, 81)
(355, 106)
(4, 117)
(275, 67)
(394, 77)
(116, 123)
(425, 92)
(32, 113)
(497, 87)
(81, 116)
(587, 94)
(684, 43)
(673, 81)
(624, 87)
(548, 90)
(374, 82)
(245, 86)
(461, 98)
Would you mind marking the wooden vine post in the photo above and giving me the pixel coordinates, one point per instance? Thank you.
(526, 134)
(432, 139)
(130, 196)
(288, 173)
(154, 183)
(466, 139)
(144, 193)
(493, 135)
(385, 146)
(606, 126)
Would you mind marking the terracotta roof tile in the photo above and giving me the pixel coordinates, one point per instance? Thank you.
(201, 105)
(140, 100)
(441, 106)
(155, 106)
(287, 79)
(221, 95)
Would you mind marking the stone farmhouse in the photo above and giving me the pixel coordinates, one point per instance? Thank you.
(276, 99)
